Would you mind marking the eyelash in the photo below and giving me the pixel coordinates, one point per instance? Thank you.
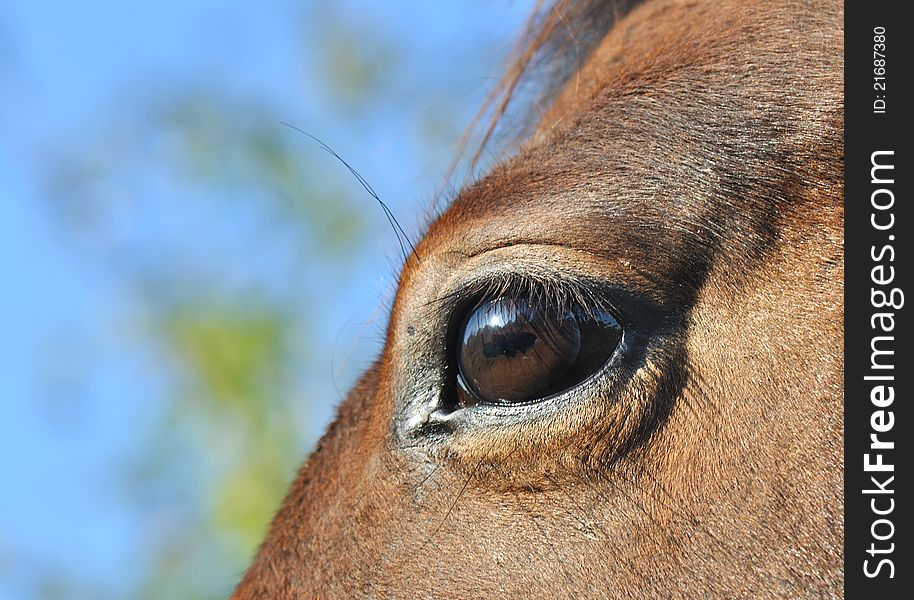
(559, 295)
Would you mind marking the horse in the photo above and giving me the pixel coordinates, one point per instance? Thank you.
(613, 365)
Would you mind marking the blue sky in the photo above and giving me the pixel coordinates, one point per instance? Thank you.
(75, 396)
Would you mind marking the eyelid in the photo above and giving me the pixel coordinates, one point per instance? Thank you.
(450, 284)
(622, 404)
(561, 271)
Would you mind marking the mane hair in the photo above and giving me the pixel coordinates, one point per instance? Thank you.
(557, 40)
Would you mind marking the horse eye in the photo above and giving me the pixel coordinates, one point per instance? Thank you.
(512, 351)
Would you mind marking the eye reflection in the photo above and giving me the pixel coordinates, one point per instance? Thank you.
(512, 351)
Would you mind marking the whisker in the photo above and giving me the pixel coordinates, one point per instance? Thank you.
(398, 230)
(453, 504)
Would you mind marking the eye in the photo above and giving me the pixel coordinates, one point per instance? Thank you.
(513, 351)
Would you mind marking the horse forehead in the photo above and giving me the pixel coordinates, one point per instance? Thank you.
(674, 132)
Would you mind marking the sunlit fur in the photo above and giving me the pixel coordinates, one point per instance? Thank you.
(690, 173)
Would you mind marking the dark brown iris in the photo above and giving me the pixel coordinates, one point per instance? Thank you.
(513, 351)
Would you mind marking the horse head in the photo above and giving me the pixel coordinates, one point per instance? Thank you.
(613, 365)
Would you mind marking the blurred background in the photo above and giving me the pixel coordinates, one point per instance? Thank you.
(190, 286)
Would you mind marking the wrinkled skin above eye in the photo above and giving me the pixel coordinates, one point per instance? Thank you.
(512, 351)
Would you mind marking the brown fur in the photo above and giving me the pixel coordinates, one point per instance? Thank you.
(694, 165)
